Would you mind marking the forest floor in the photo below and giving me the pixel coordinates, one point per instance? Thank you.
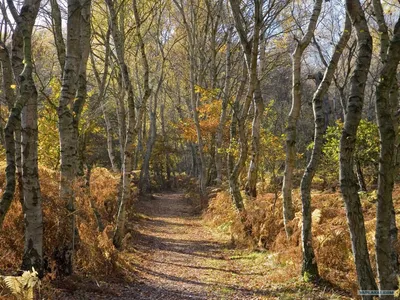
(174, 255)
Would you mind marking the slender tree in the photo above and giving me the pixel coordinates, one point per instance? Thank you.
(348, 180)
(309, 267)
(386, 230)
(72, 99)
(291, 129)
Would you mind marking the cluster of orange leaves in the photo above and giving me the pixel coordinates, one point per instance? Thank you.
(209, 112)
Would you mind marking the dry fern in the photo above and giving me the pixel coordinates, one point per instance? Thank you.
(23, 286)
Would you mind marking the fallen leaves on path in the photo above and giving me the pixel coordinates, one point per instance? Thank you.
(175, 256)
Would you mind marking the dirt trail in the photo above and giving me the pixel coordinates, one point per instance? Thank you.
(177, 257)
(182, 259)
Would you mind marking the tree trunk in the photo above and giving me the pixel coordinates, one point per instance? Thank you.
(133, 122)
(386, 254)
(10, 71)
(219, 134)
(110, 145)
(144, 183)
(167, 162)
(309, 265)
(291, 129)
(394, 96)
(252, 176)
(348, 180)
(32, 206)
(56, 25)
(128, 147)
(238, 128)
(73, 96)
(11, 126)
(121, 118)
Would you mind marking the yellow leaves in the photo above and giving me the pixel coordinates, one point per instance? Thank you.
(55, 86)
(187, 129)
(13, 86)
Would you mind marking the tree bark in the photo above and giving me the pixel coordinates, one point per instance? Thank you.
(309, 265)
(348, 180)
(72, 99)
(252, 175)
(17, 57)
(291, 129)
(11, 125)
(27, 103)
(57, 32)
(386, 255)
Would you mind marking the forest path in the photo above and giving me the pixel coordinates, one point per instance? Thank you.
(181, 259)
(174, 255)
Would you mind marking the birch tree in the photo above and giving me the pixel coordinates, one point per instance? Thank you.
(386, 109)
(72, 99)
(291, 129)
(348, 180)
(309, 265)
(24, 109)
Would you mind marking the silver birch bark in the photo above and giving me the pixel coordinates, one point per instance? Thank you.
(72, 98)
(17, 57)
(134, 124)
(12, 130)
(291, 129)
(348, 180)
(309, 265)
(258, 105)
(27, 101)
(57, 32)
(250, 50)
(386, 255)
(128, 150)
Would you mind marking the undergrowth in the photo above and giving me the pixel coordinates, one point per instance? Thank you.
(331, 239)
(95, 257)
